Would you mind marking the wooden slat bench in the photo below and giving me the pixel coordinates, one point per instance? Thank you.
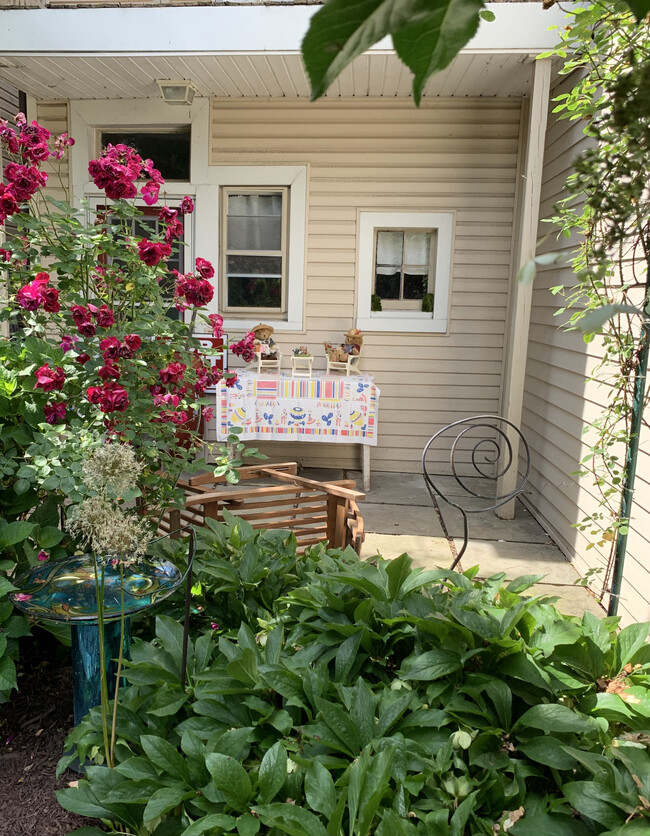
(314, 511)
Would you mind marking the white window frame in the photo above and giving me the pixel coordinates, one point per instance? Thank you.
(432, 322)
(262, 176)
(259, 310)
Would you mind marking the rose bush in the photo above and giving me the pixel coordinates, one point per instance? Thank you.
(91, 355)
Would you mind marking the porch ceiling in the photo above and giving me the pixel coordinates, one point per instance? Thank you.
(50, 77)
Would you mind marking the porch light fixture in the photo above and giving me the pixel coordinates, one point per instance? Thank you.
(177, 91)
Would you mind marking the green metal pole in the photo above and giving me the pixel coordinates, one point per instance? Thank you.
(630, 471)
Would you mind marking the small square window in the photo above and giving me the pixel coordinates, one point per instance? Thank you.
(404, 271)
(254, 250)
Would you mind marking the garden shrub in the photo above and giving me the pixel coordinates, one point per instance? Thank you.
(373, 699)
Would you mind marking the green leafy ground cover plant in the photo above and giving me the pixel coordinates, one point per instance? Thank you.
(369, 698)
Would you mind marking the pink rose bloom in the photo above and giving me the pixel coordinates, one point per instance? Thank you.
(216, 321)
(231, 380)
(60, 144)
(29, 297)
(42, 556)
(149, 192)
(67, 342)
(55, 412)
(48, 379)
(105, 317)
(208, 414)
(204, 268)
(24, 181)
(187, 206)
(22, 596)
(151, 252)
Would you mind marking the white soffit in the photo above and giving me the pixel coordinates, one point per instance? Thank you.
(249, 51)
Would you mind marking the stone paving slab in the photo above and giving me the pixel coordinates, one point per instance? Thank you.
(572, 600)
(400, 519)
(514, 559)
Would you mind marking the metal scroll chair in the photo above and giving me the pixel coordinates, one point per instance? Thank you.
(485, 442)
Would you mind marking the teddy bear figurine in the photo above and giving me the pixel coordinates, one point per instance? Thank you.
(345, 355)
(264, 343)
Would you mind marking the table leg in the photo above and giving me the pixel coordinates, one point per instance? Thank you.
(365, 466)
(85, 663)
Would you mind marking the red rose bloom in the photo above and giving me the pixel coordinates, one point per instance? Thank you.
(174, 230)
(187, 206)
(48, 379)
(172, 373)
(80, 314)
(151, 252)
(94, 394)
(105, 317)
(132, 343)
(114, 398)
(50, 298)
(87, 329)
(83, 358)
(204, 268)
(54, 413)
(109, 371)
(167, 214)
(110, 348)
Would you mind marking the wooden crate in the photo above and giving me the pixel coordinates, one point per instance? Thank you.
(314, 511)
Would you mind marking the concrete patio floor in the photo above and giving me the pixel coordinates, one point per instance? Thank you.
(399, 517)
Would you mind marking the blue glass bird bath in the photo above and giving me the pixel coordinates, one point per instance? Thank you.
(65, 591)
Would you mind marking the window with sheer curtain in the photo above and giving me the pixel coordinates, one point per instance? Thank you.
(404, 260)
(254, 250)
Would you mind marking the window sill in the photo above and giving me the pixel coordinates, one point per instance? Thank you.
(244, 325)
(393, 321)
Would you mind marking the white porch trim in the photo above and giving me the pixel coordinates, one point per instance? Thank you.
(514, 372)
(228, 30)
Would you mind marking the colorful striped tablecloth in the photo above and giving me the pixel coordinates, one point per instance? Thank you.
(281, 407)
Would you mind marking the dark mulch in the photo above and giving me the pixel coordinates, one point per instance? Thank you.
(33, 727)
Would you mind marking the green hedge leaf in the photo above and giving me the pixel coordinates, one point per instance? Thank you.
(289, 818)
(554, 718)
(165, 756)
(230, 778)
(273, 772)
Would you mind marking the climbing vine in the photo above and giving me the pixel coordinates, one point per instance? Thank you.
(607, 208)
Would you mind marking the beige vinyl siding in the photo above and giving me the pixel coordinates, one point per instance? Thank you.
(558, 399)
(9, 102)
(386, 155)
(55, 117)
